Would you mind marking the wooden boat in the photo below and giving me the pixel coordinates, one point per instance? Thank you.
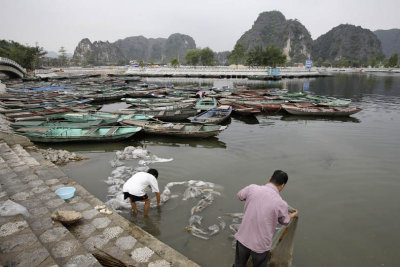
(164, 115)
(57, 124)
(321, 111)
(143, 101)
(213, 116)
(206, 103)
(185, 130)
(241, 109)
(98, 134)
(174, 106)
(50, 113)
(106, 118)
(265, 105)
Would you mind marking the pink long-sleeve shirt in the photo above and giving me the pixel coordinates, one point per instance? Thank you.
(264, 208)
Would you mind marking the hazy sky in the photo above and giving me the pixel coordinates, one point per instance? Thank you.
(217, 24)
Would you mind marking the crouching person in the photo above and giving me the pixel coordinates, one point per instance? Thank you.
(135, 189)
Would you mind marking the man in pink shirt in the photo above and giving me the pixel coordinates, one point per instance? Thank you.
(263, 209)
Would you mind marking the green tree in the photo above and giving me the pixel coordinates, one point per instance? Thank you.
(90, 59)
(270, 56)
(238, 55)
(372, 62)
(123, 62)
(393, 61)
(26, 56)
(174, 62)
(207, 57)
(62, 56)
(254, 57)
(273, 56)
(192, 57)
(319, 62)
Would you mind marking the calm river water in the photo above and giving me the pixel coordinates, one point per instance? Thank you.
(343, 175)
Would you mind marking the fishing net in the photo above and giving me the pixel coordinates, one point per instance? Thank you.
(203, 194)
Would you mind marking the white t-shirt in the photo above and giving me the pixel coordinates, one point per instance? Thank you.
(137, 184)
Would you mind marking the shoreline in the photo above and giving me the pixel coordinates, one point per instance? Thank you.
(30, 180)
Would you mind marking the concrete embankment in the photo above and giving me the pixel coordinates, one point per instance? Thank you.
(28, 179)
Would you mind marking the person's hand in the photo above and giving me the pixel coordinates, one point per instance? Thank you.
(294, 214)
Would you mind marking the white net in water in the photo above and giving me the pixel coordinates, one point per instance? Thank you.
(205, 192)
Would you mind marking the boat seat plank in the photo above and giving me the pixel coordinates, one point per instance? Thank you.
(178, 126)
(90, 131)
(34, 130)
(161, 113)
(178, 112)
(196, 128)
(111, 131)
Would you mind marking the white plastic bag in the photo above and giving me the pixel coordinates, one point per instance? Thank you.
(10, 208)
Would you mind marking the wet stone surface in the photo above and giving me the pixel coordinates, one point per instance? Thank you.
(98, 241)
(112, 232)
(52, 182)
(21, 168)
(17, 243)
(101, 222)
(29, 178)
(32, 258)
(64, 248)
(81, 206)
(12, 227)
(35, 183)
(126, 242)
(81, 260)
(83, 231)
(47, 196)
(54, 203)
(43, 223)
(39, 190)
(142, 254)
(121, 255)
(159, 263)
(53, 234)
(38, 211)
(22, 196)
(90, 214)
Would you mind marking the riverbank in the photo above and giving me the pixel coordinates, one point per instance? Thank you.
(34, 239)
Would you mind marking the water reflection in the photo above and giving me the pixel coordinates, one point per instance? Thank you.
(93, 147)
(246, 119)
(310, 118)
(211, 142)
(150, 224)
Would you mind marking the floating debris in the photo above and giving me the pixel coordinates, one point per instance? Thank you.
(60, 157)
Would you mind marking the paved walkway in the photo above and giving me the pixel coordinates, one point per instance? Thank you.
(30, 180)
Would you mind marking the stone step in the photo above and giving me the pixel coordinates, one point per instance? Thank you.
(19, 246)
(38, 196)
(34, 188)
(24, 155)
(111, 233)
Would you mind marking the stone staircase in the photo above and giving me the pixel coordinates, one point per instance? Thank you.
(36, 240)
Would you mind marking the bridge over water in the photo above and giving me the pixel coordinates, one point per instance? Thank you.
(11, 68)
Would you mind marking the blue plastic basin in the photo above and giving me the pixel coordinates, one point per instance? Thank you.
(66, 192)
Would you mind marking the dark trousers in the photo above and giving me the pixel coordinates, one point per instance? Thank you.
(243, 253)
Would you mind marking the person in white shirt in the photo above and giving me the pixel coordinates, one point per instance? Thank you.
(135, 189)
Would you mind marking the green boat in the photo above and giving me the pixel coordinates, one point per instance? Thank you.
(185, 130)
(57, 124)
(107, 118)
(97, 134)
(139, 101)
(206, 103)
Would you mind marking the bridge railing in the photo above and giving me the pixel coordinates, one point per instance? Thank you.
(7, 61)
